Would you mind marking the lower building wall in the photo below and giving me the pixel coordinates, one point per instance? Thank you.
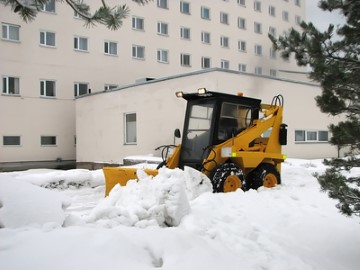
(100, 118)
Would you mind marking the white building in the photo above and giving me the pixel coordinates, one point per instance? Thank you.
(137, 118)
(45, 64)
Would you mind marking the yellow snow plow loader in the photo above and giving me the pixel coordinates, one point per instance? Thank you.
(235, 140)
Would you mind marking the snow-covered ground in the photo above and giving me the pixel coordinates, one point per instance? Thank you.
(53, 219)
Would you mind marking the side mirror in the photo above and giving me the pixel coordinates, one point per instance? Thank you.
(177, 133)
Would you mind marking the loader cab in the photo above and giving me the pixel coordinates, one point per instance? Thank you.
(212, 118)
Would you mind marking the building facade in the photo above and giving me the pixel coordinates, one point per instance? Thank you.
(47, 63)
(109, 130)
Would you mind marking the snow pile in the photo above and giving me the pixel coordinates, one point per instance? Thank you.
(161, 200)
(23, 204)
(60, 179)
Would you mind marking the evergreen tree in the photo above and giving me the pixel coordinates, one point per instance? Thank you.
(111, 17)
(335, 64)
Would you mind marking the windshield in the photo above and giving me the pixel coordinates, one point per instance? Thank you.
(197, 136)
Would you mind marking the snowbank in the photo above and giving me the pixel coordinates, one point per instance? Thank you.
(23, 204)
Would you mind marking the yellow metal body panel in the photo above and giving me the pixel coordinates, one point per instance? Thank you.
(119, 175)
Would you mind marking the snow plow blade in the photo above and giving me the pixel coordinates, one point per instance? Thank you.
(118, 175)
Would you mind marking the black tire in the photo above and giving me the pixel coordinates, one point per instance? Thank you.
(265, 174)
(227, 177)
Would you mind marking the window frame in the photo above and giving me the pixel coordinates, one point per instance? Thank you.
(77, 88)
(241, 2)
(183, 31)
(242, 45)
(306, 134)
(257, 6)
(204, 60)
(272, 11)
(11, 144)
(184, 10)
(78, 43)
(163, 4)
(137, 49)
(160, 55)
(51, 143)
(127, 129)
(258, 70)
(205, 37)
(109, 48)
(162, 28)
(7, 35)
(224, 42)
(49, 6)
(205, 16)
(138, 23)
(185, 59)
(257, 28)
(224, 64)
(6, 84)
(258, 50)
(242, 68)
(45, 38)
(241, 23)
(224, 18)
(44, 91)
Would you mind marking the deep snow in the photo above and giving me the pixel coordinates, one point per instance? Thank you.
(59, 220)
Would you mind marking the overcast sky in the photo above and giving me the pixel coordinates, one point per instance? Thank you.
(320, 18)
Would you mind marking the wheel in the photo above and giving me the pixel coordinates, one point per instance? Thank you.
(227, 177)
(265, 175)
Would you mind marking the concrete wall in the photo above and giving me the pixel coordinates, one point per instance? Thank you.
(100, 117)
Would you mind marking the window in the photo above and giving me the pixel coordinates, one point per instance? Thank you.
(80, 43)
(185, 59)
(285, 16)
(162, 3)
(163, 56)
(298, 20)
(258, 70)
(241, 2)
(241, 23)
(224, 18)
(162, 28)
(272, 11)
(11, 140)
(49, 6)
(311, 136)
(11, 86)
(205, 37)
(81, 89)
(224, 42)
(47, 88)
(297, 3)
(273, 72)
(47, 38)
(130, 128)
(48, 140)
(138, 52)
(184, 7)
(225, 64)
(242, 45)
(205, 13)
(110, 47)
(258, 49)
(108, 87)
(205, 62)
(185, 33)
(272, 53)
(137, 23)
(257, 28)
(272, 31)
(10, 32)
(257, 5)
(242, 68)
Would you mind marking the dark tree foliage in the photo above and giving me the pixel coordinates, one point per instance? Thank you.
(111, 17)
(335, 65)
